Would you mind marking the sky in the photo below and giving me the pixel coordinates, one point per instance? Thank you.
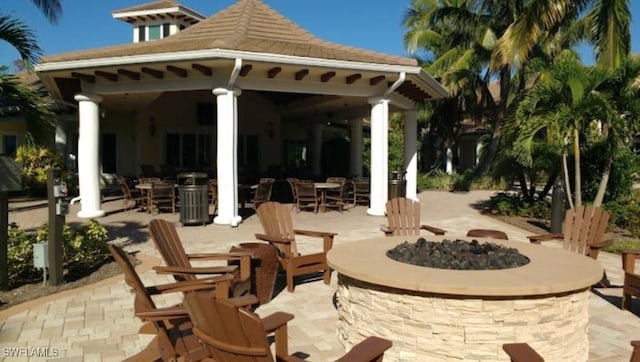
(370, 24)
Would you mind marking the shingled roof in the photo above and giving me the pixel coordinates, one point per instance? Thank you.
(248, 25)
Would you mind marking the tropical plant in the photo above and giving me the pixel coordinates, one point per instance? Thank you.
(35, 161)
(14, 31)
(576, 105)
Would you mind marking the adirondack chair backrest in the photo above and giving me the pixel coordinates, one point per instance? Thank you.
(276, 221)
(230, 333)
(403, 216)
(583, 226)
(166, 239)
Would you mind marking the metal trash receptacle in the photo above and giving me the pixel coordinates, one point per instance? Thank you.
(193, 193)
(397, 185)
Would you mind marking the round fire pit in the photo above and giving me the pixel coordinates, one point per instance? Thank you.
(434, 314)
(458, 254)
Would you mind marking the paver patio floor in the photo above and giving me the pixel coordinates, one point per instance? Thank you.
(96, 322)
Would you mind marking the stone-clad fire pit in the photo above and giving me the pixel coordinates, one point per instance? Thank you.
(434, 314)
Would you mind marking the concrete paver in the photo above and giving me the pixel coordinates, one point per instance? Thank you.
(96, 322)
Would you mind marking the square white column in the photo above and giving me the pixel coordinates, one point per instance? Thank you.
(379, 155)
(227, 165)
(88, 155)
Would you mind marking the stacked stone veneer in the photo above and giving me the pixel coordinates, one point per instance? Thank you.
(435, 327)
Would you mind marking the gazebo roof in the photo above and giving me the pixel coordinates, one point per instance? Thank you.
(158, 8)
(248, 25)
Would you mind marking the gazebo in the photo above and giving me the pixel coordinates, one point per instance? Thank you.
(246, 77)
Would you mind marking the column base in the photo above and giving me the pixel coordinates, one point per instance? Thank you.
(90, 214)
(226, 220)
(375, 212)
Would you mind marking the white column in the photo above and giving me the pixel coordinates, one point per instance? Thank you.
(355, 145)
(411, 152)
(88, 155)
(379, 155)
(227, 168)
(449, 161)
(478, 151)
(316, 149)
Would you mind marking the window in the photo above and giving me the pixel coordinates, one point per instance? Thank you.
(166, 30)
(188, 150)
(9, 144)
(154, 32)
(142, 33)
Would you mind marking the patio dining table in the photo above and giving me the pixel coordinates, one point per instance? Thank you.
(322, 188)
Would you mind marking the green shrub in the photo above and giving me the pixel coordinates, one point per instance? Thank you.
(437, 180)
(83, 249)
(625, 212)
(513, 204)
(19, 253)
(619, 246)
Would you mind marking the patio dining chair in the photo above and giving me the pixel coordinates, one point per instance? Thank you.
(361, 191)
(292, 185)
(131, 198)
(163, 196)
(236, 334)
(263, 192)
(307, 196)
(340, 198)
(278, 229)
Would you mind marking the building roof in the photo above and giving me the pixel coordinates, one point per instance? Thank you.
(248, 25)
(154, 5)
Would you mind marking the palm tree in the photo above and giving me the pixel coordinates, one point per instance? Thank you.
(606, 26)
(572, 100)
(38, 117)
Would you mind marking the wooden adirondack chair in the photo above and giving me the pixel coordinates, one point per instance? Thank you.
(635, 355)
(278, 230)
(178, 261)
(521, 352)
(403, 216)
(235, 334)
(631, 286)
(582, 231)
(174, 337)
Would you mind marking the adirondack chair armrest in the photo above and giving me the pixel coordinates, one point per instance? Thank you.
(368, 350)
(276, 320)
(433, 229)
(386, 230)
(189, 285)
(536, 239)
(272, 239)
(629, 260)
(162, 314)
(327, 237)
(521, 352)
(319, 234)
(243, 256)
(195, 270)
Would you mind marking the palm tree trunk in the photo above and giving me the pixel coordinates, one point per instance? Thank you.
(576, 165)
(604, 180)
(565, 178)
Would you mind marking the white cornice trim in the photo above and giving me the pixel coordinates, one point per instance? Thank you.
(175, 9)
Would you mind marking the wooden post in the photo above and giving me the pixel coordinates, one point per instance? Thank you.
(56, 223)
(4, 240)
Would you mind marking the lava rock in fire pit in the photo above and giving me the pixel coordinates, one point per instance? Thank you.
(457, 254)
